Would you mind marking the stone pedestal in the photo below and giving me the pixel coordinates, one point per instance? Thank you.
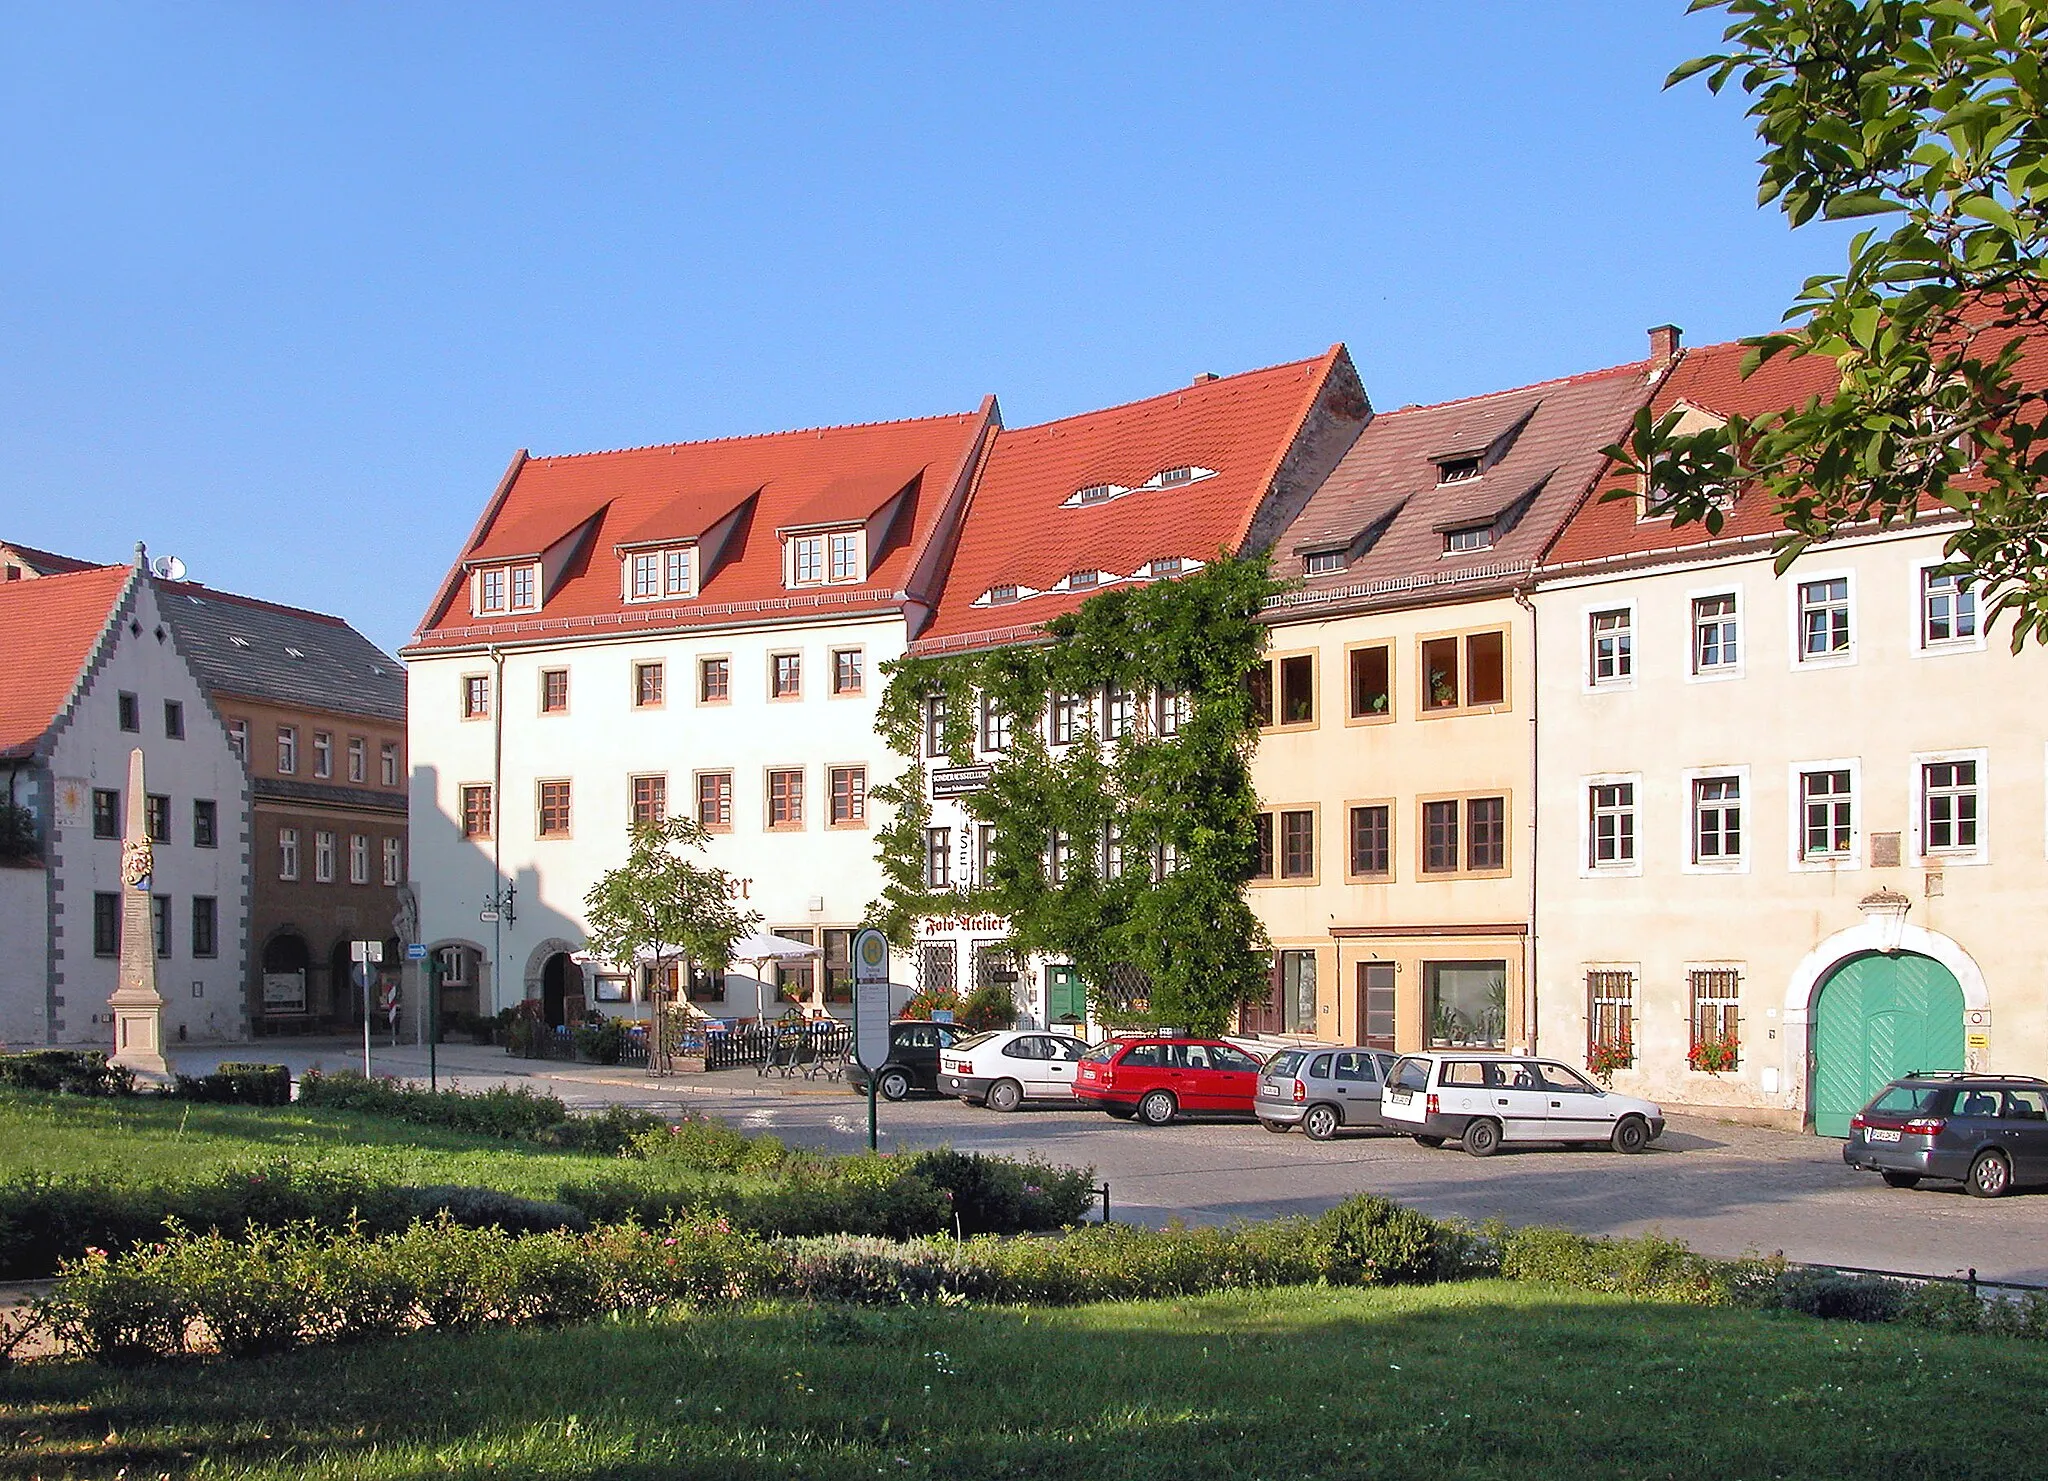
(138, 1006)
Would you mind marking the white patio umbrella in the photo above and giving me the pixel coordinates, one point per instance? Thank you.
(759, 948)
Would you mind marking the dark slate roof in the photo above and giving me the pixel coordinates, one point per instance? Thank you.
(322, 794)
(259, 650)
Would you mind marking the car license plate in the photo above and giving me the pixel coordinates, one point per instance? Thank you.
(1882, 1134)
(1272, 1090)
(1398, 1097)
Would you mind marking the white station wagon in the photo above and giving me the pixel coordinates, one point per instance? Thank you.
(1485, 1099)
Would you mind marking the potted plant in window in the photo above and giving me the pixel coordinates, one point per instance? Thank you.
(1609, 1055)
(1711, 1055)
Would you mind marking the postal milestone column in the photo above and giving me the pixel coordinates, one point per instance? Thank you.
(138, 1006)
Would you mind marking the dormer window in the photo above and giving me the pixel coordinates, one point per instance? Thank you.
(652, 575)
(505, 589)
(1168, 477)
(1097, 493)
(1318, 562)
(490, 591)
(833, 557)
(1472, 537)
(523, 589)
(1082, 580)
(1458, 470)
(999, 596)
(1169, 565)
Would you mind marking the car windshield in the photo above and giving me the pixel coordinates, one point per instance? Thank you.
(1286, 1062)
(973, 1040)
(1410, 1074)
(1905, 1100)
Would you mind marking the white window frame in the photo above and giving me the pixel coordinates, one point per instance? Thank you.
(394, 864)
(1796, 619)
(1795, 841)
(288, 854)
(1590, 681)
(1980, 853)
(798, 550)
(1921, 645)
(323, 855)
(679, 571)
(478, 588)
(512, 575)
(852, 547)
(1688, 863)
(359, 858)
(642, 574)
(1720, 673)
(1587, 868)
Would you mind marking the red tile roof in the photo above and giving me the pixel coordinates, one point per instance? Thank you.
(1017, 533)
(679, 492)
(48, 630)
(1385, 510)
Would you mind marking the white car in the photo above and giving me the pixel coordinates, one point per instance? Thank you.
(1006, 1067)
(1484, 1099)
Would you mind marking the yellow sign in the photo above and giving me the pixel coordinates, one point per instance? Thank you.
(1980, 1041)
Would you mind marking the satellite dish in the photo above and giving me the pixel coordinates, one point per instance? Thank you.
(168, 568)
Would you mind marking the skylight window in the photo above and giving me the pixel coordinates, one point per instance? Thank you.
(239, 642)
(1457, 470)
(295, 652)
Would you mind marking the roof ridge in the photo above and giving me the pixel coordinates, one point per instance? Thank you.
(1580, 377)
(655, 447)
(1235, 375)
(188, 587)
(78, 563)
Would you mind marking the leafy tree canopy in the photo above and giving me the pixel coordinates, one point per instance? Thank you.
(660, 906)
(1926, 116)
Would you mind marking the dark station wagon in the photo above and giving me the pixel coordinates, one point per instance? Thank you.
(1987, 1132)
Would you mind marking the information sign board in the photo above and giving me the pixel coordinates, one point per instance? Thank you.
(871, 997)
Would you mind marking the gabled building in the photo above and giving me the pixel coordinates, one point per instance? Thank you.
(96, 669)
(1136, 493)
(26, 563)
(697, 627)
(1793, 823)
(1398, 696)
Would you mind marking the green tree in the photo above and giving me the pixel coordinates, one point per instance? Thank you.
(1927, 114)
(661, 908)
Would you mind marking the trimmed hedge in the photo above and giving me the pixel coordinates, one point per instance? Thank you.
(66, 1072)
(237, 1084)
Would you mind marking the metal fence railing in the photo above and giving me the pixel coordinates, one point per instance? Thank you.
(778, 1046)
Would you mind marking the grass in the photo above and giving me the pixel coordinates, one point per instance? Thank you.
(1483, 1379)
(146, 1141)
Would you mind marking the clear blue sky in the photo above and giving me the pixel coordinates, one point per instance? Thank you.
(282, 286)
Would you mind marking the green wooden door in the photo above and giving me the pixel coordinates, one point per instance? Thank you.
(1066, 998)
(1877, 1018)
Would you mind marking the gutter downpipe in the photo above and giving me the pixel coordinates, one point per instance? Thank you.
(497, 656)
(1529, 994)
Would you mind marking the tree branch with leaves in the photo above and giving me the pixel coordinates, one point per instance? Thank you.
(1928, 113)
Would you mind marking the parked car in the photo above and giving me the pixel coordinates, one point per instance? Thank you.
(1485, 1099)
(1321, 1090)
(1988, 1132)
(913, 1062)
(1004, 1068)
(1158, 1078)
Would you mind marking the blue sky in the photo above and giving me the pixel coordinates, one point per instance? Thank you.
(282, 287)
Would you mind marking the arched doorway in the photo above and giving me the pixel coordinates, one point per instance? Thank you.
(561, 990)
(286, 958)
(1876, 1017)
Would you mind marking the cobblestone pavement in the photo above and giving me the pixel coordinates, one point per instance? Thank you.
(1720, 1187)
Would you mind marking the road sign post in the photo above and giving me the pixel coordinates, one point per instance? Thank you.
(871, 1012)
(365, 955)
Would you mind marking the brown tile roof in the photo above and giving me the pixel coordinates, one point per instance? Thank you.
(680, 491)
(45, 562)
(48, 630)
(1385, 509)
(1017, 532)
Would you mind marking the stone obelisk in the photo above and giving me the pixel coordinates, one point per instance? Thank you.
(138, 1006)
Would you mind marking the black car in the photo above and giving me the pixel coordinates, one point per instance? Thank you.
(1987, 1132)
(913, 1062)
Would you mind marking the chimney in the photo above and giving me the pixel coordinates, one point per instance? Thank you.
(1664, 342)
(1203, 377)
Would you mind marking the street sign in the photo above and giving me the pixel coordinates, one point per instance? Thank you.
(870, 997)
(417, 952)
(366, 951)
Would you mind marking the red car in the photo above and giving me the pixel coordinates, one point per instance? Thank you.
(1156, 1079)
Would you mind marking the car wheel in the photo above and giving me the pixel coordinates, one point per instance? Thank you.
(1900, 1179)
(894, 1084)
(1321, 1122)
(1990, 1175)
(1005, 1095)
(1482, 1137)
(1631, 1135)
(1156, 1108)
(1428, 1141)
(1278, 1128)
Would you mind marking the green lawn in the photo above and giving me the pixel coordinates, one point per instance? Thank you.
(159, 1141)
(1483, 1379)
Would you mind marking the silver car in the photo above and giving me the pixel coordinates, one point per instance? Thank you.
(1321, 1090)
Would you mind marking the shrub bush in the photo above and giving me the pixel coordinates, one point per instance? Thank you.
(1648, 1266)
(487, 1208)
(602, 1041)
(997, 1195)
(703, 1145)
(1369, 1241)
(1837, 1297)
(66, 1072)
(238, 1084)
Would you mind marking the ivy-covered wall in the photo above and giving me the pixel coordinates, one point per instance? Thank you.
(1182, 804)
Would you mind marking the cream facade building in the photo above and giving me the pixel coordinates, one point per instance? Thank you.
(1803, 815)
